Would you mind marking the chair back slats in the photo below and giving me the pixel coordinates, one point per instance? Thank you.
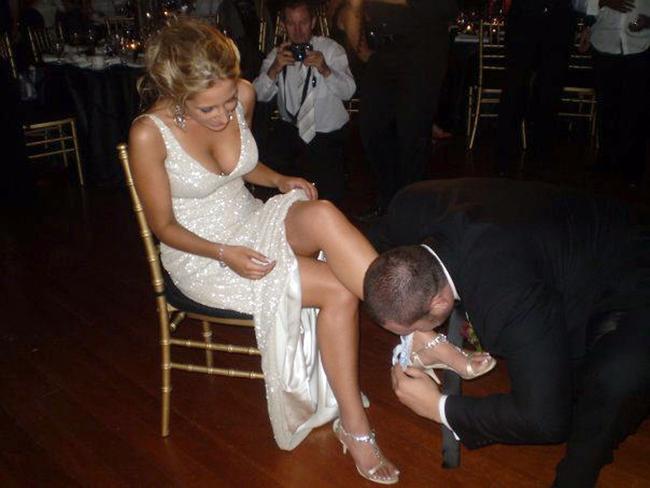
(322, 21)
(492, 56)
(484, 98)
(117, 24)
(151, 249)
(578, 99)
(264, 43)
(7, 54)
(54, 138)
(42, 40)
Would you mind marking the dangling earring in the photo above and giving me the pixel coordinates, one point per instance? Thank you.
(179, 116)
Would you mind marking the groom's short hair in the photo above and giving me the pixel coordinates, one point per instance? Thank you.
(400, 284)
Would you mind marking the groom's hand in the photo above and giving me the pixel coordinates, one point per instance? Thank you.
(417, 391)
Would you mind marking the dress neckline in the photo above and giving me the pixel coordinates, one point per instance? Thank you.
(196, 161)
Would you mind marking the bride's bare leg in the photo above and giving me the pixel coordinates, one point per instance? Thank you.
(338, 342)
(318, 225)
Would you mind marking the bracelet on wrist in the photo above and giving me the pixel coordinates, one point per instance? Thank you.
(220, 256)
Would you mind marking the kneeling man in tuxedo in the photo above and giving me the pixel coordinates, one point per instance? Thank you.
(557, 284)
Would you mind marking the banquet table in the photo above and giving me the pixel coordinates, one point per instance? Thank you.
(105, 102)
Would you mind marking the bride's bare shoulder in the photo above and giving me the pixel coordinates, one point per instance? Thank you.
(246, 95)
(144, 129)
(144, 132)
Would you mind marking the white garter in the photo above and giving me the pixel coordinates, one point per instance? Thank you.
(402, 351)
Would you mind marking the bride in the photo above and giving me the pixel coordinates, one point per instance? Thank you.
(191, 153)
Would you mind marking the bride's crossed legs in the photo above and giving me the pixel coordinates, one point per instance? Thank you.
(335, 287)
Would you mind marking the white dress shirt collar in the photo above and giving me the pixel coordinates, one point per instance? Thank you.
(444, 270)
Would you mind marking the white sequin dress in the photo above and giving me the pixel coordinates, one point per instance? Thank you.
(220, 208)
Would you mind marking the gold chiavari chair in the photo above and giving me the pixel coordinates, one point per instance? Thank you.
(173, 307)
(118, 24)
(279, 33)
(578, 99)
(352, 105)
(7, 54)
(43, 40)
(264, 43)
(51, 138)
(322, 21)
(484, 98)
(45, 139)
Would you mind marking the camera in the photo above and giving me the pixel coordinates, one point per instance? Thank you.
(300, 50)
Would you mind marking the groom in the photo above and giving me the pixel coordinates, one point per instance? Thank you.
(557, 284)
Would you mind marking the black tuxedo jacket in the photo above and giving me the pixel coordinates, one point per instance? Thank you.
(533, 265)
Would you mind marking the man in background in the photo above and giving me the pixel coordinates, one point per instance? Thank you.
(405, 44)
(539, 34)
(619, 32)
(311, 78)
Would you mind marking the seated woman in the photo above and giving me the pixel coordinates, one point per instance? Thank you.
(191, 153)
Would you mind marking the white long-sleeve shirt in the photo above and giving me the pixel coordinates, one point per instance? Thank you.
(611, 33)
(330, 92)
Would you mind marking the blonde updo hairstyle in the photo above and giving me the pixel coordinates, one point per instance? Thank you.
(185, 58)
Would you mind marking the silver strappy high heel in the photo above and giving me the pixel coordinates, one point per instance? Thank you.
(469, 374)
(369, 438)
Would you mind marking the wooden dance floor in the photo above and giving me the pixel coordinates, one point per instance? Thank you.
(80, 375)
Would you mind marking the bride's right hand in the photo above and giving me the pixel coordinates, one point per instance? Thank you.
(246, 262)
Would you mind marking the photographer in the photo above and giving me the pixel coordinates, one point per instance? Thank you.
(311, 78)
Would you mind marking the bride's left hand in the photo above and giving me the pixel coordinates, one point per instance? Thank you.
(288, 183)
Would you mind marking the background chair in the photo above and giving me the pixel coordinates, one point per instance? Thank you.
(173, 308)
(578, 99)
(352, 105)
(44, 40)
(7, 54)
(52, 138)
(265, 41)
(119, 25)
(484, 97)
(46, 138)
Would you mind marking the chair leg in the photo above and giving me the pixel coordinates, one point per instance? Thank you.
(166, 397)
(62, 144)
(470, 102)
(166, 367)
(477, 115)
(524, 141)
(80, 173)
(207, 337)
(593, 138)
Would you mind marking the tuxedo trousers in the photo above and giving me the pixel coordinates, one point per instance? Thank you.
(537, 47)
(612, 393)
(399, 97)
(322, 161)
(622, 86)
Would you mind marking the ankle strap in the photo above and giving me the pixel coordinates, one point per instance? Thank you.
(437, 340)
(368, 438)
